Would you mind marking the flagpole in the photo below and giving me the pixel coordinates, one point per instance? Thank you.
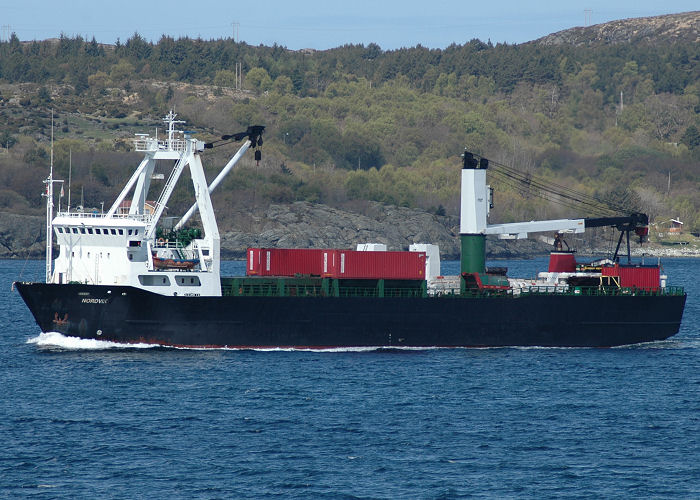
(70, 168)
(49, 212)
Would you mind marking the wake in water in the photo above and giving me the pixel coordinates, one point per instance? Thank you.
(55, 340)
(672, 343)
(338, 349)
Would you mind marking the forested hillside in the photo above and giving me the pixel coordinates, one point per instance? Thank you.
(356, 123)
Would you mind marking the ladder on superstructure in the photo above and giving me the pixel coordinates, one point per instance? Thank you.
(165, 194)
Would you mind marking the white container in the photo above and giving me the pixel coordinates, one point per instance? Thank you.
(432, 258)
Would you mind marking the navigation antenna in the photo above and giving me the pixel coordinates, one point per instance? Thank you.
(171, 121)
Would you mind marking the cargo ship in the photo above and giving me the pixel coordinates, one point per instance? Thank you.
(122, 277)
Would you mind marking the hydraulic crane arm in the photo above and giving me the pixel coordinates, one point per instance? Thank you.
(632, 221)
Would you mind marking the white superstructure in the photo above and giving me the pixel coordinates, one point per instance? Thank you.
(115, 248)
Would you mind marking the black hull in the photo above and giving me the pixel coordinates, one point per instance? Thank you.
(130, 315)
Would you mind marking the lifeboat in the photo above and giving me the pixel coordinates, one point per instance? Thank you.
(185, 264)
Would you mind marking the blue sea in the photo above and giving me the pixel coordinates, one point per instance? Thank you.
(81, 419)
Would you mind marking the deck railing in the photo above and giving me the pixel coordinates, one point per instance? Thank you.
(280, 289)
(151, 144)
(102, 215)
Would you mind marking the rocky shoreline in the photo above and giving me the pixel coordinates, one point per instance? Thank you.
(22, 236)
(308, 225)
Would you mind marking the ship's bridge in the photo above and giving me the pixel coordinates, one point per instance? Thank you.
(122, 246)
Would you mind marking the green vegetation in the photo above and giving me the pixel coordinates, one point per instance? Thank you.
(357, 123)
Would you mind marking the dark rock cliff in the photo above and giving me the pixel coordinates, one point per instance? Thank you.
(302, 225)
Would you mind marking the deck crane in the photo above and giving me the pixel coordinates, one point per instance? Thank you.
(477, 200)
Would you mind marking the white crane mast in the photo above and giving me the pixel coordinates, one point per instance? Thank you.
(476, 203)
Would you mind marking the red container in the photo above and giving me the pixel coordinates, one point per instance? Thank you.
(289, 261)
(643, 277)
(562, 262)
(349, 264)
(253, 261)
(381, 265)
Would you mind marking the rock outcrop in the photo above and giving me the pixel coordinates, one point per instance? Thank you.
(303, 225)
(22, 236)
(658, 29)
(307, 225)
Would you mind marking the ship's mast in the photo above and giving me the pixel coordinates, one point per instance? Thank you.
(49, 212)
(170, 121)
(49, 181)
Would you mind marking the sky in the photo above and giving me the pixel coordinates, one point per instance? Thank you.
(319, 24)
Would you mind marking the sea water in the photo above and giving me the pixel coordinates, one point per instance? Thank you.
(86, 419)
